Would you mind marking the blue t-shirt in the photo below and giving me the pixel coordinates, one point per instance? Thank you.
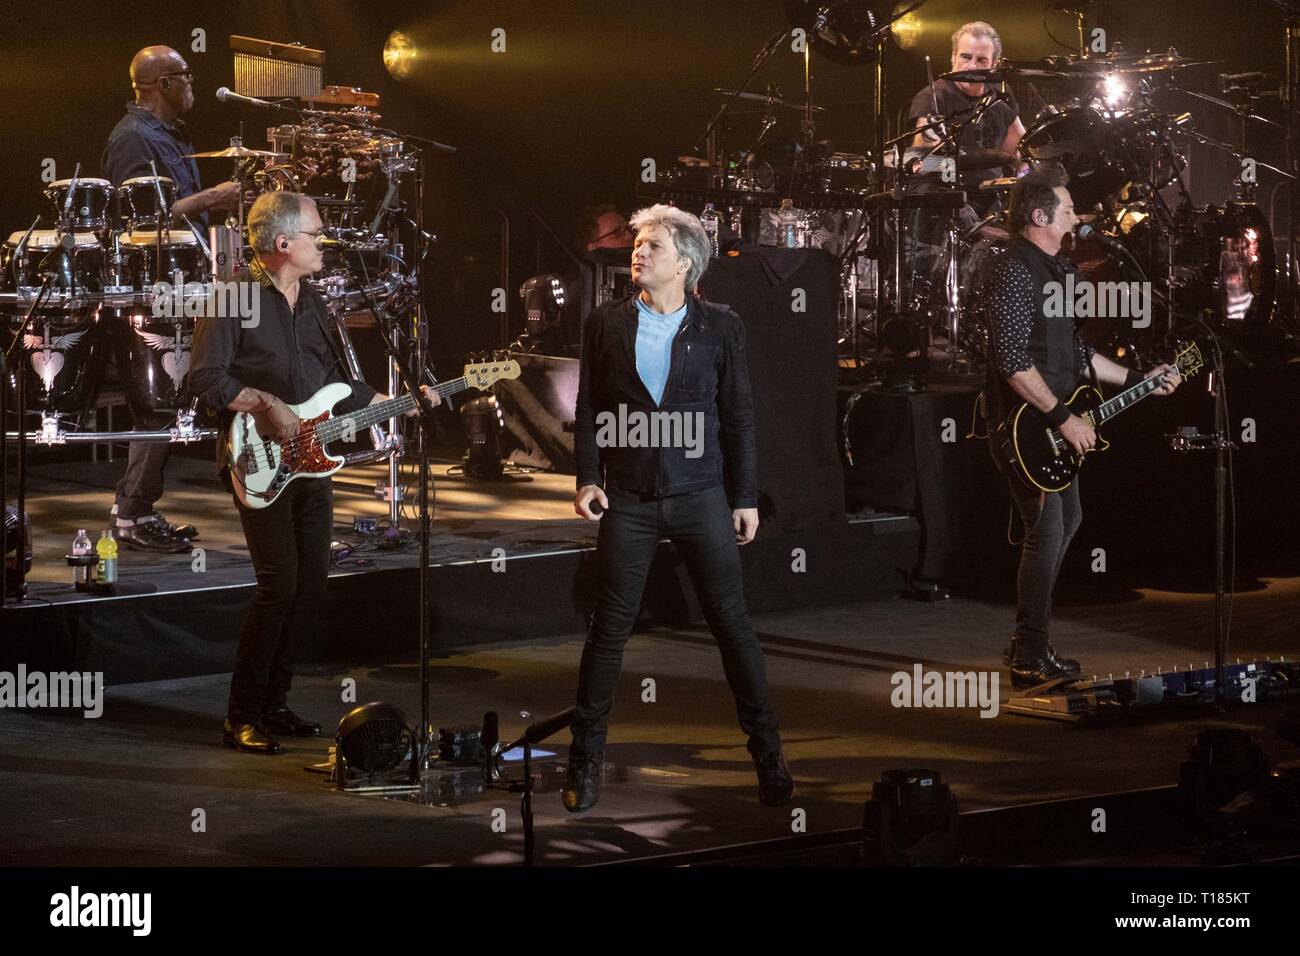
(654, 346)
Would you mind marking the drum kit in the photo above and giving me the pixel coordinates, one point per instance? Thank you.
(916, 242)
(80, 298)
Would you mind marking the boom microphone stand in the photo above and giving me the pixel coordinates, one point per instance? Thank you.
(409, 369)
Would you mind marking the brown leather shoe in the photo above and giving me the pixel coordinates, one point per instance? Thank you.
(249, 738)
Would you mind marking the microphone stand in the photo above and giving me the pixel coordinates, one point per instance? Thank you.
(20, 584)
(1221, 441)
(49, 268)
(408, 371)
(537, 732)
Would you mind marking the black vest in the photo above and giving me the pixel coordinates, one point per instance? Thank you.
(1053, 341)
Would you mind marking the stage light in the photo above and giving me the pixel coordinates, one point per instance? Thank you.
(1222, 767)
(399, 54)
(911, 819)
(483, 422)
(544, 297)
(1114, 92)
(907, 29)
(372, 738)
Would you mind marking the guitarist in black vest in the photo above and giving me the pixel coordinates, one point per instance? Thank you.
(281, 355)
(1040, 360)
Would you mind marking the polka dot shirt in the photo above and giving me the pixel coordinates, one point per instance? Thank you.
(1012, 313)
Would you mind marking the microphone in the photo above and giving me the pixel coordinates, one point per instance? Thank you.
(49, 266)
(540, 730)
(227, 95)
(325, 242)
(1086, 231)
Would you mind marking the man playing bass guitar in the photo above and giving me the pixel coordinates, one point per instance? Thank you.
(262, 367)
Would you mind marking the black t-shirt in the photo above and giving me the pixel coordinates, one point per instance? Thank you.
(988, 133)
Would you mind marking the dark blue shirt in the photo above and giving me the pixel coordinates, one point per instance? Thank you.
(140, 136)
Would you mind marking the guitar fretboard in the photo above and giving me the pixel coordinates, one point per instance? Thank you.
(333, 429)
(1126, 399)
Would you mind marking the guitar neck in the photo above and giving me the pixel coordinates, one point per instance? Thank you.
(333, 429)
(1126, 399)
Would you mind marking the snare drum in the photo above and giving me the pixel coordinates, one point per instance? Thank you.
(92, 201)
(139, 198)
(180, 252)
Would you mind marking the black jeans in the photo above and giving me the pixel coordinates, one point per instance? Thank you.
(142, 482)
(290, 546)
(1050, 521)
(699, 525)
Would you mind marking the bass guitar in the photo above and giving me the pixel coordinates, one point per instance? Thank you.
(261, 467)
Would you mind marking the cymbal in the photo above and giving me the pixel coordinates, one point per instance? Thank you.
(986, 159)
(1159, 63)
(1001, 73)
(847, 33)
(238, 152)
(761, 98)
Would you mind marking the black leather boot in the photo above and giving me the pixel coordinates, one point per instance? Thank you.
(1066, 664)
(775, 782)
(582, 785)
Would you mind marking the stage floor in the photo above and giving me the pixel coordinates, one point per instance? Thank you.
(526, 514)
(123, 789)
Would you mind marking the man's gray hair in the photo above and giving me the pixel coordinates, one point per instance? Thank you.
(689, 237)
(980, 31)
(272, 214)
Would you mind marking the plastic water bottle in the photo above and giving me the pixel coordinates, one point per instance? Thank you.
(81, 573)
(712, 223)
(106, 548)
(788, 225)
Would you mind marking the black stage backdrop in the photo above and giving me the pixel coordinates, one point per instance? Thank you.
(584, 92)
(792, 372)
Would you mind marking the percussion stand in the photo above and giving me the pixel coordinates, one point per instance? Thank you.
(20, 587)
(952, 276)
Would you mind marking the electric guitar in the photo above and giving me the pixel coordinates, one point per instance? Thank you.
(261, 467)
(1038, 455)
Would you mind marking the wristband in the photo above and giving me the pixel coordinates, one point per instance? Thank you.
(1059, 415)
(1133, 378)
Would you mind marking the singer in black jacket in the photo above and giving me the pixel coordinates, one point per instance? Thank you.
(1037, 357)
(663, 358)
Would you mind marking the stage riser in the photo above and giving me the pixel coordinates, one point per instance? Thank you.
(372, 616)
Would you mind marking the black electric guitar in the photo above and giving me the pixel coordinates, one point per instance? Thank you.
(1041, 458)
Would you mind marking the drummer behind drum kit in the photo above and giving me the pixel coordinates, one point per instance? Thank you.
(913, 252)
(116, 250)
(102, 262)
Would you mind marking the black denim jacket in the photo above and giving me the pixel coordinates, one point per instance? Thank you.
(708, 374)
